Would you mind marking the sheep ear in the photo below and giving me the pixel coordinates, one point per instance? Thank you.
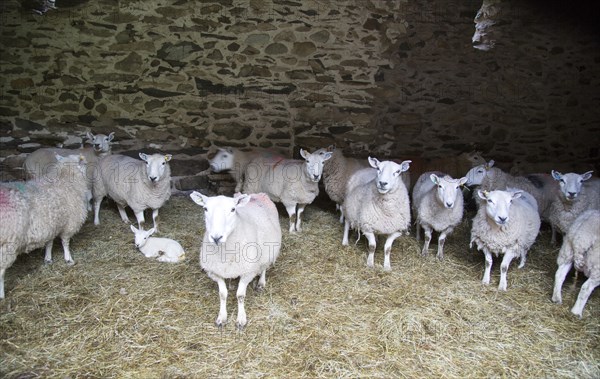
(303, 153)
(133, 228)
(144, 157)
(556, 175)
(586, 176)
(59, 158)
(517, 194)
(242, 200)
(111, 136)
(90, 136)
(168, 157)
(229, 150)
(151, 231)
(482, 194)
(462, 181)
(198, 198)
(405, 165)
(331, 148)
(434, 178)
(490, 164)
(373, 162)
(326, 156)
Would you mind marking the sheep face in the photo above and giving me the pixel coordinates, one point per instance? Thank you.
(571, 183)
(141, 235)
(219, 214)
(100, 142)
(476, 174)
(155, 165)
(223, 160)
(497, 204)
(388, 174)
(447, 189)
(314, 163)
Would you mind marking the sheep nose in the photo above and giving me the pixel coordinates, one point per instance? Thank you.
(153, 178)
(216, 239)
(449, 205)
(382, 184)
(316, 177)
(572, 195)
(502, 220)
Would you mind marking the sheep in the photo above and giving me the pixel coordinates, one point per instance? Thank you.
(506, 223)
(437, 202)
(236, 161)
(293, 182)
(242, 239)
(34, 213)
(336, 172)
(134, 183)
(456, 166)
(581, 248)
(164, 249)
(377, 203)
(575, 195)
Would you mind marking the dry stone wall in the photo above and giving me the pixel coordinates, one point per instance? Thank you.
(384, 77)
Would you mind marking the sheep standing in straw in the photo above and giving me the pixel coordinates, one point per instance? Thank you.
(580, 248)
(438, 205)
(293, 182)
(377, 203)
(506, 223)
(242, 239)
(34, 213)
(236, 161)
(138, 184)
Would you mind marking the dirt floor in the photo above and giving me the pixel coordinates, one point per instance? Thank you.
(323, 312)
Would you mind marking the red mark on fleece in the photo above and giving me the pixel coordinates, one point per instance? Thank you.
(5, 198)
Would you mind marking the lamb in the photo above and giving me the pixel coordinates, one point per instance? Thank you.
(507, 223)
(437, 202)
(34, 213)
(295, 183)
(164, 249)
(581, 248)
(40, 162)
(576, 194)
(134, 183)
(242, 239)
(377, 203)
(236, 161)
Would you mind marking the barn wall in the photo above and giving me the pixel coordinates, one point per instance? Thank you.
(390, 78)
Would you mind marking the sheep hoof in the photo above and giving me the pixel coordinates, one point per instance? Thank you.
(241, 326)
(48, 261)
(259, 288)
(70, 262)
(387, 268)
(220, 323)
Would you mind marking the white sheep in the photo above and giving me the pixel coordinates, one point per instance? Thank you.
(164, 249)
(236, 161)
(293, 182)
(581, 248)
(336, 172)
(377, 203)
(34, 213)
(242, 239)
(576, 194)
(437, 202)
(139, 184)
(506, 223)
(41, 161)
(455, 165)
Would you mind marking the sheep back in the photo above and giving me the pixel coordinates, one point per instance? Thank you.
(336, 172)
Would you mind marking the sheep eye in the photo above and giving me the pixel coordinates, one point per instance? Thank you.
(205, 209)
(164, 163)
(232, 210)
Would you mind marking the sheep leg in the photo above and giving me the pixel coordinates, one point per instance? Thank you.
(97, 210)
(2, 271)
(553, 237)
(372, 245)
(339, 207)
(523, 259)
(428, 233)
(559, 279)
(123, 214)
(241, 296)
(508, 257)
(262, 281)
(298, 219)
(48, 255)
(441, 241)
(291, 210)
(387, 249)
(222, 317)
(584, 294)
(418, 232)
(154, 217)
(65, 244)
(488, 267)
(139, 216)
(346, 231)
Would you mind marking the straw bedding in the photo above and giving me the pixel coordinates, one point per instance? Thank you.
(323, 312)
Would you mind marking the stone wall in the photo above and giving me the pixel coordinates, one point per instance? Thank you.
(390, 78)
